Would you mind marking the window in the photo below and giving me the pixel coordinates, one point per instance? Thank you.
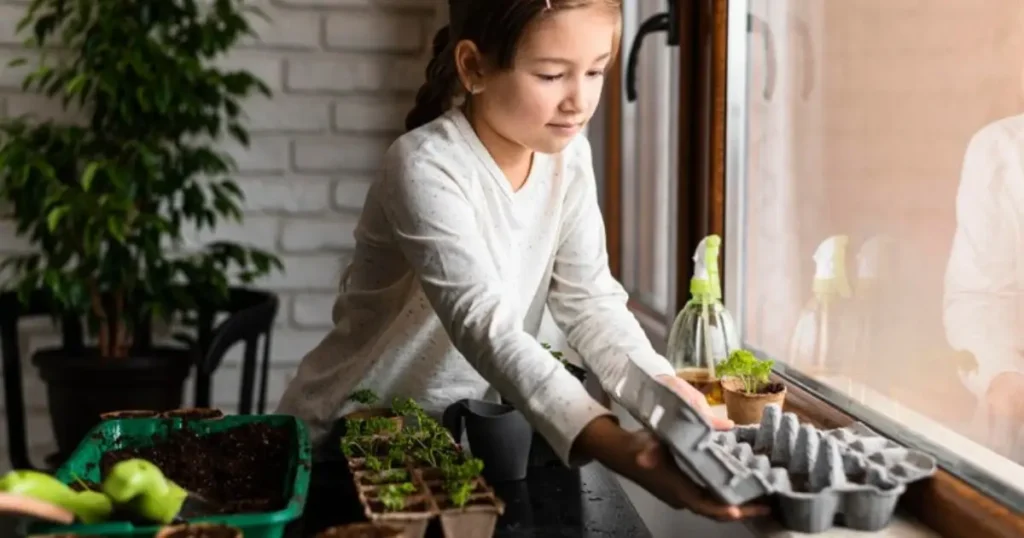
(875, 215)
(649, 172)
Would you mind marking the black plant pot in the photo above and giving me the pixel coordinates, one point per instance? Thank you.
(80, 386)
(541, 453)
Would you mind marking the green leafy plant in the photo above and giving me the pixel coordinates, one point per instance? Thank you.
(580, 373)
(389, 476)
(554, 353)
(753, 373)
(393, 496)
(364, 396)
(105, 199)
(460, 479)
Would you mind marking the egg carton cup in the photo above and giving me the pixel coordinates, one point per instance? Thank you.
(815, 477)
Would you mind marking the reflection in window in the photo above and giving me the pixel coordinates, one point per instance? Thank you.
(883, 210)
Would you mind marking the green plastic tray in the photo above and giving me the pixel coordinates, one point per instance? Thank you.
(115, 434)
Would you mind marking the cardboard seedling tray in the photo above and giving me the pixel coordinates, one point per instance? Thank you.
(476, 519)
(818, 477)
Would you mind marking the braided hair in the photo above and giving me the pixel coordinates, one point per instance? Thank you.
(435, 95)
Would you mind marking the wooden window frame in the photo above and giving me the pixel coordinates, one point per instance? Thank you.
(944, 503)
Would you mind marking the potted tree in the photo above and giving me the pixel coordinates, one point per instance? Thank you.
(108, 201)
(747, 388)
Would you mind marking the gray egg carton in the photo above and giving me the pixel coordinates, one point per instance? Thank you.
(816, 477)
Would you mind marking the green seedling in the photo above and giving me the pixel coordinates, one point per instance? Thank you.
(459, 479)
(364, 396)
(393, 496)
(389, 476)
(752, 372)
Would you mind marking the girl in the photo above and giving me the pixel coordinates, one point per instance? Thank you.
(482, 215)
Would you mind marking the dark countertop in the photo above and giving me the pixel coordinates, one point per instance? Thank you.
(551, 502)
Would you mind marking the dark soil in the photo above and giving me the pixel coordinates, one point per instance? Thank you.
(242, 469)
(203, 531)
(194, 414)
(128, 414)
(771, 388)
(437, 487)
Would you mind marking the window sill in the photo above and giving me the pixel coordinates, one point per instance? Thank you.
(944, 503)
(902, 526)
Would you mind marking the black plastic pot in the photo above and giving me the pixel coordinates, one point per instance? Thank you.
(81, 386)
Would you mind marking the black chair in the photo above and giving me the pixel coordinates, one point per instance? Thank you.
(12, 310)
(251, 314)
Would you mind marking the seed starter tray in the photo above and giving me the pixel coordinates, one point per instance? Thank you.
(817, 477)
(477, 519)
(115, 434)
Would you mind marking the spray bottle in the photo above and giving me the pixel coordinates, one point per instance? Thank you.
(812, 349)
(869, 314)
(703, 333)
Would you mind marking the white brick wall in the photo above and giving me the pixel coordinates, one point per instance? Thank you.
(343, 73)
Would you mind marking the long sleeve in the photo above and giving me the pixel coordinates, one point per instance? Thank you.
(585, 300)
(435, 228)
(981, 290)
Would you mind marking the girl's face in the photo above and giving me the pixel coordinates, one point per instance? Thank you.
(556, 80)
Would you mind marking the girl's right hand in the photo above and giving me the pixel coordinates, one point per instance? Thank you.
(644, 459)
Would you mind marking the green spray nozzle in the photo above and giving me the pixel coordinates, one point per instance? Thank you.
(705, 285)
(830, 268)
(143, 488)
(88, 506)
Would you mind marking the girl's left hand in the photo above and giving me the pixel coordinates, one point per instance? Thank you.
(695, 398)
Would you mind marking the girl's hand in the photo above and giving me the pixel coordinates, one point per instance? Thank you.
(695, 398)
(642, 458)
(669, 484)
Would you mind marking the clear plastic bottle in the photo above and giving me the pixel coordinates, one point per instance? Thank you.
(703, 334)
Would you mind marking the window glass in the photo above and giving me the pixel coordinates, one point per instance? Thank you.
(648, 169)
(879, 212)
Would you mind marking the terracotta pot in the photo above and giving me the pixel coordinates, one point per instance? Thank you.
(362, 530)
(743, 408)
(194, 413)
(363, 414)
(199, 530)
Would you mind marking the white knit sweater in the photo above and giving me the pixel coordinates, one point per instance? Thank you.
(447, 287)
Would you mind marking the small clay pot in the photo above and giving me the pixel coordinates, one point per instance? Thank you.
(743, 408)
(194, 413)
(362, 530)
(129, 413)
(199, 530)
